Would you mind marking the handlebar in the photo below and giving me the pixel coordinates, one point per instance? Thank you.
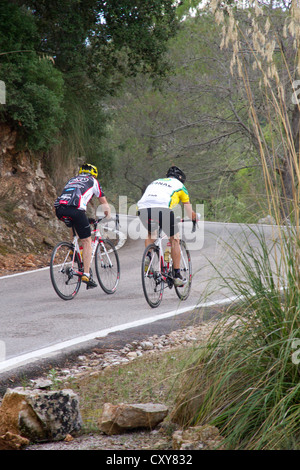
(95, 222)
(194, 222)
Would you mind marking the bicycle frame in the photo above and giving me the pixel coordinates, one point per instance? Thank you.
(165, 268)
(98, 239)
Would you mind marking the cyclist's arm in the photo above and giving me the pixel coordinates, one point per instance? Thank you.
(105, 206)
(189, 210)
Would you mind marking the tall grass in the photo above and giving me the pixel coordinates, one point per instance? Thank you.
(246, 380)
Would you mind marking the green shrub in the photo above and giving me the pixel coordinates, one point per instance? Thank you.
(34, 87)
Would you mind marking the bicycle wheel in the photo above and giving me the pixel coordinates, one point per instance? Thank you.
(153, 284)
(186, 272)
(65, 282)
(107, 266)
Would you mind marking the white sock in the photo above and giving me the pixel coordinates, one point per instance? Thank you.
(87, 275)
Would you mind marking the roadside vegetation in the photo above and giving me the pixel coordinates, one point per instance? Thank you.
(246, 380)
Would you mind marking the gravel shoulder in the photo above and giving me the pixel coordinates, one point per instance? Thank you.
(91, 364)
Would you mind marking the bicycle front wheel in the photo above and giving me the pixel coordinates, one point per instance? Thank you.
(107, 266)
(186, 272)
(152, 282)
(63, 275)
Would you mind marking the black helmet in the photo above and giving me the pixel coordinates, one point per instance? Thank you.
(176, 173)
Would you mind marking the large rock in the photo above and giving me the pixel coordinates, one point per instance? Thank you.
(123, 417)
(40, 415)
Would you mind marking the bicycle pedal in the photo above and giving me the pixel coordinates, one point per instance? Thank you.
(91, 285)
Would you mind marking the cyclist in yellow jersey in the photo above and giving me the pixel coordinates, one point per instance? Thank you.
(156, 207)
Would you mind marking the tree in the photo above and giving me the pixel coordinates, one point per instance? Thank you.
(88, 47)
(35, 88)
(268, 47)
(194, 119)
(88, 37)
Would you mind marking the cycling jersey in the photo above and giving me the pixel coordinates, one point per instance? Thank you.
(78, 192)
(164, 192)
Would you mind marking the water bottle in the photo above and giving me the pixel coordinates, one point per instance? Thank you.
(167, 254)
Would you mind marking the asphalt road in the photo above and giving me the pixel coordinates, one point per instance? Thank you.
(35, 322)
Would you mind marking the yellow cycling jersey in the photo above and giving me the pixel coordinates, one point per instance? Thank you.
(164, 192)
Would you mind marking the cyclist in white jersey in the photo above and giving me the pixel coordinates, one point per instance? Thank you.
(71, 206)
(155, 207)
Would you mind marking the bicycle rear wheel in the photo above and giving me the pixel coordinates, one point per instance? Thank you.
(186, 272)
(65, 282)
(107, 266)
(153, 284)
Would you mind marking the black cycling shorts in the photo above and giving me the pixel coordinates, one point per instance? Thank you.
(76, 218)
(154, 217)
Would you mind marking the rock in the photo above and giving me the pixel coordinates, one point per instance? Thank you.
(123, 417)
(268, 220)
(43, 384)
(39, 173)
(11, 441)
(147, 345)
(197, 438)
(40, 415)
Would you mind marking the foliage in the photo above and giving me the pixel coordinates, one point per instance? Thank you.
(34, 87)
(58, 60)
(264, 58)
(139, 30)
(246, 381)
(188, 120)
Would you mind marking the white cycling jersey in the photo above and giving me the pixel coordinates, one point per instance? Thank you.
(79, 191)
(164, 192)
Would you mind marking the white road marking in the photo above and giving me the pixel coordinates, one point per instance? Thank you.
(24, 272)
(51, 350)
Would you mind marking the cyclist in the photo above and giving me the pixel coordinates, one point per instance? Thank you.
(156, 205)
(71, 207)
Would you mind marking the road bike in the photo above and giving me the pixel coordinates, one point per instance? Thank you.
(66, 265)
(158, 273)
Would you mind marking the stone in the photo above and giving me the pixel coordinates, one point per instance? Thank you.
(43, 384)
(40, 415)
(120, 418)
(204, 437)
(11, 441)
(268, 220)
(146, 345)
(39, 172)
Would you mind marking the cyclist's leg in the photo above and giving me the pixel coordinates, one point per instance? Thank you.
(86, 244)
(170, 227)
(175, 250)
(83, 229)
(147, 218)
(172, 231)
